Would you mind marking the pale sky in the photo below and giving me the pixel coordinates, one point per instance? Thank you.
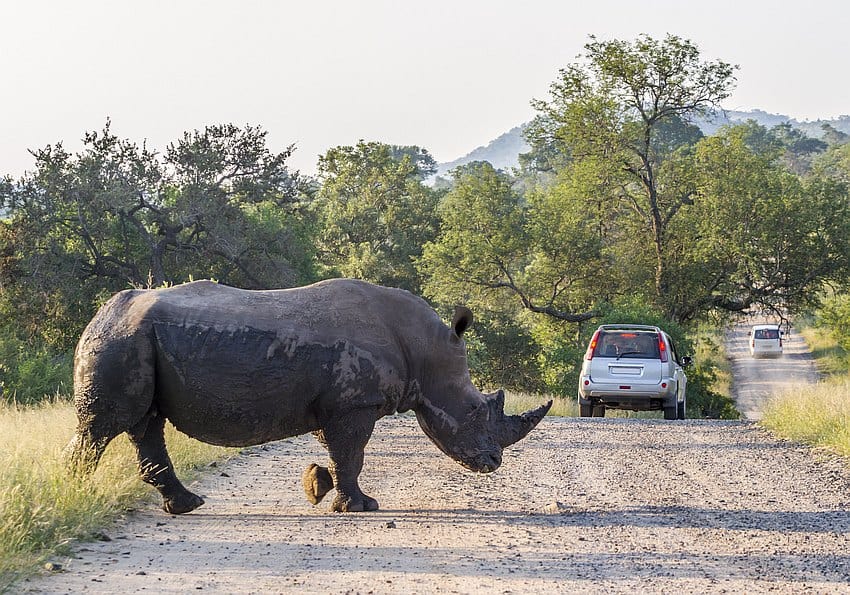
(447, 75)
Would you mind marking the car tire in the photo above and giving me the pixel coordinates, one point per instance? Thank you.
(585, 410)
(680, 410)
(670, 412)
(599, 411)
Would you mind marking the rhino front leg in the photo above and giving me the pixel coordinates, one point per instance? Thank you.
(345, 438)
(155, 466)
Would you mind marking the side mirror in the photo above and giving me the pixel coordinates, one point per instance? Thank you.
(686, 360)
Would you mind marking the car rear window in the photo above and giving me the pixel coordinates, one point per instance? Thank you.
(766, 333)
(634, 344)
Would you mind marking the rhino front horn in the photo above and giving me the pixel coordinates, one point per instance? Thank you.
(515, 427)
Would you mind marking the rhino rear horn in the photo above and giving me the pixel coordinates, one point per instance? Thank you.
(514, 428)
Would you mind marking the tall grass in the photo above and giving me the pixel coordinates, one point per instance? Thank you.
(817, 414)
(43, 508)
(830, 358)
(516, 403)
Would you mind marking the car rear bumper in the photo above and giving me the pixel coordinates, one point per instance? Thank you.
(628, 396)
(765, 352)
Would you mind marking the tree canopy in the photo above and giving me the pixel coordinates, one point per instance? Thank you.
(375, 212)
(218, 204)
(622, 211)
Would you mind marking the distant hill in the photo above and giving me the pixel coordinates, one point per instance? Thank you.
(503, 152)
(811, 128)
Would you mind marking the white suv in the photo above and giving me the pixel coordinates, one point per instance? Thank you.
(634, 367)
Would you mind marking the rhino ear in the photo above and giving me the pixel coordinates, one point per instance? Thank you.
(462, 320)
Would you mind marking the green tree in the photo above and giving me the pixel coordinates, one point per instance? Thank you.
(800, 149)
(629, 104)
(233, 209)
(117, 215)
(375, 212)
(493, 248)
(834, 163)
(512, 258)
(758, 234)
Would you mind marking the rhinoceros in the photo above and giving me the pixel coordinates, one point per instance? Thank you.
(238, 367)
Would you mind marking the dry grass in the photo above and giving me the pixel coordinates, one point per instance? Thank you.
(516, 403)
(818, 415)
(830, 358)
(43, 507)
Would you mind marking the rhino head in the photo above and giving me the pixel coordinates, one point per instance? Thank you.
(469, 426)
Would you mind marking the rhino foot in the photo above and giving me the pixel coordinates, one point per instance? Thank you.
(348, 504)
(182, 503)
(317, 482)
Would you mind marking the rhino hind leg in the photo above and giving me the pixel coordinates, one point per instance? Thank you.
(317, 482)
(155, 465)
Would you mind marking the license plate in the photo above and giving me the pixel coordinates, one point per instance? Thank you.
(626, 370)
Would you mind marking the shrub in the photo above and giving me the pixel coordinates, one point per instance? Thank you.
(30, 372)
(834, 314)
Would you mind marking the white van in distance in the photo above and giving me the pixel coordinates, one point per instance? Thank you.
(765, 340)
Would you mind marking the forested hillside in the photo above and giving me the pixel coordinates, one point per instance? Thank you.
(621, 209)
(503, 152)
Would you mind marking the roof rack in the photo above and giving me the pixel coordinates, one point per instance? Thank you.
(642, 327)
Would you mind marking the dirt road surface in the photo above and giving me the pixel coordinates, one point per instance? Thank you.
(596, 505)
(757, 379)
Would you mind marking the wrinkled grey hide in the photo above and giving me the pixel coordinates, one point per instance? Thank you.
(236, 368)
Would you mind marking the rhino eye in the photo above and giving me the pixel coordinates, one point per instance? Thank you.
(474, 409)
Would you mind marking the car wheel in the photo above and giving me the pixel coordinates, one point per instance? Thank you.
(599, 411)
(680, 410)
(585, 410)
(670, 412)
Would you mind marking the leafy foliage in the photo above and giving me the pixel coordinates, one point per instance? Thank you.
(623, 212)
(30, 371)
(375, 212)
(218, 204)
(834, 314)
(626, 108)
(760, 234)
(494, 247)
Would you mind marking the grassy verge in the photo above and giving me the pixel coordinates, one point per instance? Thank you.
(43, 508)
(830, 358)
(819, 414)
(516, 403)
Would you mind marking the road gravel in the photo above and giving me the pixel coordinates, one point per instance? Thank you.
(594, 505)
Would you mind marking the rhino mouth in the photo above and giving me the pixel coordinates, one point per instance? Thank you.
(478, 441)
(486, 463)
(482, 461)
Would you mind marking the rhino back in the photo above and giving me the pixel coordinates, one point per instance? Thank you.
(233, 386)
(243, 367)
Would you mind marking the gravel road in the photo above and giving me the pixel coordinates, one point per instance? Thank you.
(594, 505)
(757, 379)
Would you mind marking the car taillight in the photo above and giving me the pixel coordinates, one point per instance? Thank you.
(592, 347)
(662, 348)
